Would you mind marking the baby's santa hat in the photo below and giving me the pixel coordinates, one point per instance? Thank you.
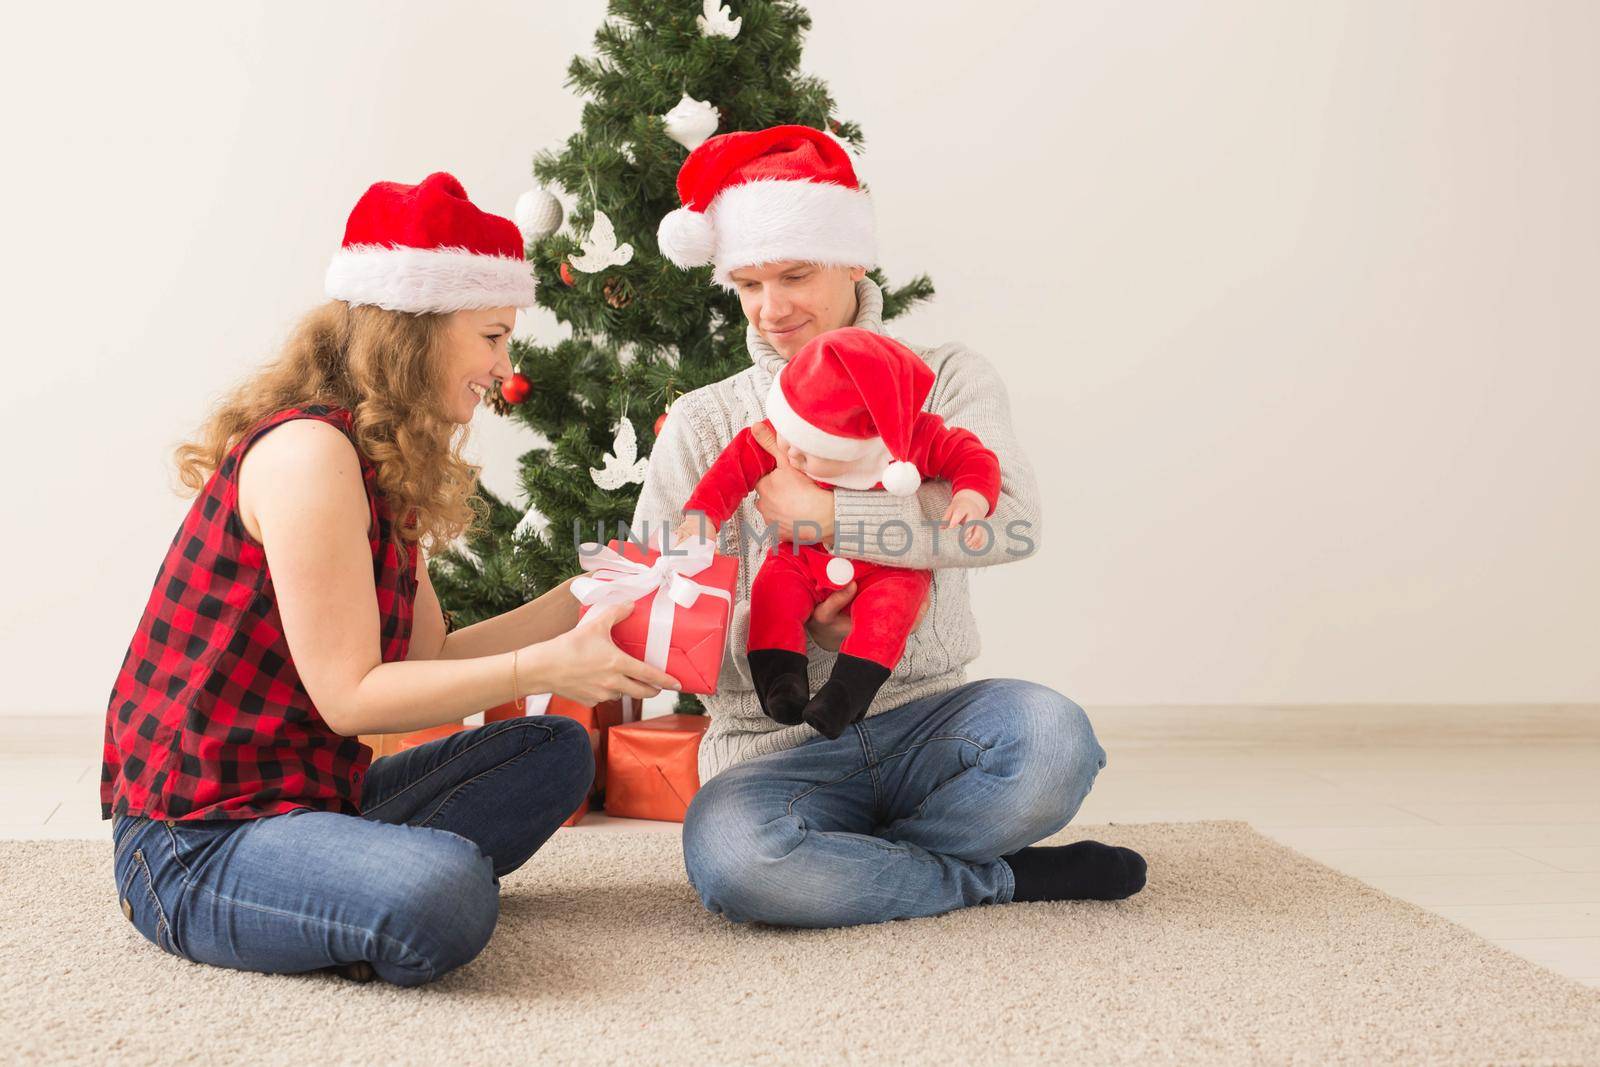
(851, 394)
(427, 248)
(764, 196)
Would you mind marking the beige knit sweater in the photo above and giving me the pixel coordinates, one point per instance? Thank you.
(966, 393)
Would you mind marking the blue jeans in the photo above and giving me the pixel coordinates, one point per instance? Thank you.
(904, 814)
(412, 887)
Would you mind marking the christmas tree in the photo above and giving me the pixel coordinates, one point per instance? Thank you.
(664, 77)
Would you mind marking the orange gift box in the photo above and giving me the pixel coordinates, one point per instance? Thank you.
(693, 636)
(652, 767)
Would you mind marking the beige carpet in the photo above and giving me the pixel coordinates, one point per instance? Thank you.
(1238, 951)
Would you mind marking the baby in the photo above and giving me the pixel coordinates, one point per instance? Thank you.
(847, 410)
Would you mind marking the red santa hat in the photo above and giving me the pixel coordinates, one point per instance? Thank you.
(427, 248)
(853, 395)
(788, 192)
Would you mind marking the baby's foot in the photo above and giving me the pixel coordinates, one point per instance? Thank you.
(781, 685)
(845, 696)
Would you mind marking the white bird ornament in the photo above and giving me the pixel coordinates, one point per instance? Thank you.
(600, 249)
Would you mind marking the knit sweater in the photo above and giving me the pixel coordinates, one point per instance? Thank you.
(869, 524)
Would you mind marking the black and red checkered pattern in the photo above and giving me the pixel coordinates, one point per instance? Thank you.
(208, 718)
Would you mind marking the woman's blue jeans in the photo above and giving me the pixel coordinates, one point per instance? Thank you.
(412, 887)
(904, 814)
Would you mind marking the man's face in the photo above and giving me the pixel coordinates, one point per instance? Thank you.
(791, 302)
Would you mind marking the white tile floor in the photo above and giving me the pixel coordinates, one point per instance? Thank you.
(1489, 816)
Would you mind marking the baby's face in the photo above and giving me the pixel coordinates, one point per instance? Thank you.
(810, 465)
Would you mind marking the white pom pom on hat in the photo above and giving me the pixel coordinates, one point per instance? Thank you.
(840, 571)
(686, 237)
(901, 478)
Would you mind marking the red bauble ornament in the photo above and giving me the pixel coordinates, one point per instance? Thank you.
(661, 420)
(516, 388)
(566, 273)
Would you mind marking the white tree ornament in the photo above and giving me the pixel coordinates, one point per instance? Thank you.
(622, 464)
(600, 248)
(538, 214)
(691, 122)
(718, 21)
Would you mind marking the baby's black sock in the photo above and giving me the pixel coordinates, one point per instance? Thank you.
(781, 685)
(844, 697)
(1085, 870)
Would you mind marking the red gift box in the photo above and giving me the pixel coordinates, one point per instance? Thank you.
(653, 767)
(682, 604)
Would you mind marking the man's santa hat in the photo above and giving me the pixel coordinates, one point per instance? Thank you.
(427, 248)
(853, 395)
(788, 192)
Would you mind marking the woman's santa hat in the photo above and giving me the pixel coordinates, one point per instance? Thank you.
(853, 395)
(765, 196)
(427, 248)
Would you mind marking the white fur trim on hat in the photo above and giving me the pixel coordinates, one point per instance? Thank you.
(427, 279)
(807, 437)
(686, 237)
(901, 478)
(771, 220)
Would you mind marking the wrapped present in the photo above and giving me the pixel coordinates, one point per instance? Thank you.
(683, 599)
(653, 767)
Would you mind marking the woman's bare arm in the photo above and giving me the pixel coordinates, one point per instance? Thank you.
(301, 495)
(545, 617)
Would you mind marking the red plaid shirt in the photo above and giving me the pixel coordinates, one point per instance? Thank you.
(208, 718)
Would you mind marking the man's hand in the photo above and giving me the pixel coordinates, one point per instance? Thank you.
(786, 497)
(965, 506)
(830, 623)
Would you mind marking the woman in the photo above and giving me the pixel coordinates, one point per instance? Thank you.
(293, 612)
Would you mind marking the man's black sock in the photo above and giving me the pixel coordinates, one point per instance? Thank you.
(1084, 870)
(781, 684)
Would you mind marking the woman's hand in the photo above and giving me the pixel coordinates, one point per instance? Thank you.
(830, 623)
(786, 497)
(584, 665)
(966, 506)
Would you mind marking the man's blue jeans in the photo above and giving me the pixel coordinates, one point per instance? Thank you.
(412, 888)
(904, 814)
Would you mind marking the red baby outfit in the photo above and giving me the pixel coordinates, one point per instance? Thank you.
(793, 581)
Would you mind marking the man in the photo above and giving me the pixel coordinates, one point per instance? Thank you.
(930, 801)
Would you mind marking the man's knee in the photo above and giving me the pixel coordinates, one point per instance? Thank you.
(1050, 752)
(735, 856)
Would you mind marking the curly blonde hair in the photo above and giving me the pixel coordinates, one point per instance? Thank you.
(386, 368)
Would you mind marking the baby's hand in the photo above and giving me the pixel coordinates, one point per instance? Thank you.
(693, 525)
(965, 506)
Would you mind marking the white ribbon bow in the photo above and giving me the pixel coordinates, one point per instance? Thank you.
(614, 579)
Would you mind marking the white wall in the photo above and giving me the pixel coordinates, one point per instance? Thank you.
(1295, 301)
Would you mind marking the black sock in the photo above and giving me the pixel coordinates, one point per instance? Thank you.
(844, 697)
(1085, 870)
(781, 684)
